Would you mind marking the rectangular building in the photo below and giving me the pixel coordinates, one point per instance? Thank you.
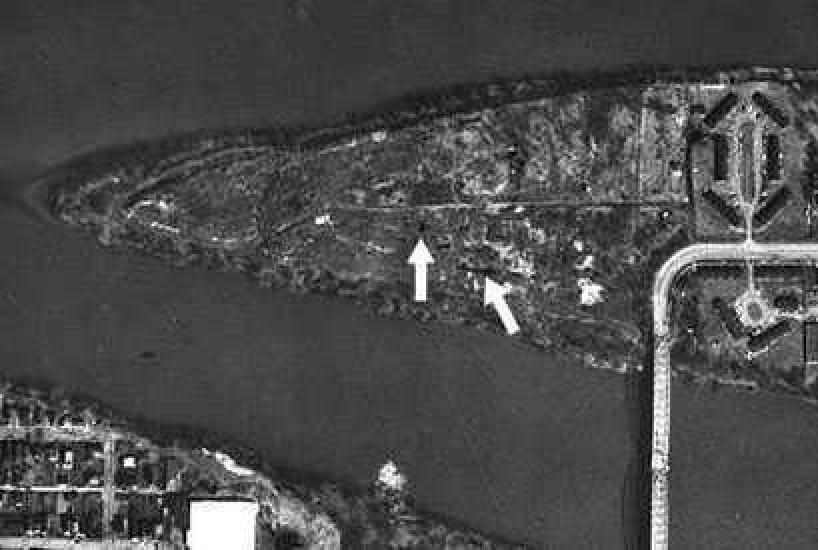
(222, 524)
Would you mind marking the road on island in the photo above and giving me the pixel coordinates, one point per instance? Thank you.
(491, 433)
(682, 260)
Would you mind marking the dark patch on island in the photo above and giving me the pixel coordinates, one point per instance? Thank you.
(772, 206)
(720, 205)
(721, 109)
(760, 340)
(770, 109)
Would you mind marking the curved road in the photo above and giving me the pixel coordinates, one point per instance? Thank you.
(665, 277)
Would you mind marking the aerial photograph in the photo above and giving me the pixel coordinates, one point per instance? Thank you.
(408, 274)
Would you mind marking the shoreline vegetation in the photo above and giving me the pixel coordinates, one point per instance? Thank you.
(298, 509)
(397, 114)
(572, 189)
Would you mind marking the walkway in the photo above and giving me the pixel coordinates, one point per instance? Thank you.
(667, 274)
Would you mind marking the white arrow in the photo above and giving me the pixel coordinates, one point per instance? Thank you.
(495, 296)
(420, 258)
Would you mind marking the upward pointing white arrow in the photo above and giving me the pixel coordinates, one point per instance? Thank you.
(494, 295)
(420, 258)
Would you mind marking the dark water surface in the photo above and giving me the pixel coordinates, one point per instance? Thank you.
(490, 432)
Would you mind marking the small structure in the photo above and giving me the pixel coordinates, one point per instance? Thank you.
(722, 207)
(760, 340)
(724, 106)
(222, 524)
(772, 206)
(729, 318)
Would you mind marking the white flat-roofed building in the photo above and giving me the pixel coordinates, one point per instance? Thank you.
(222, 524)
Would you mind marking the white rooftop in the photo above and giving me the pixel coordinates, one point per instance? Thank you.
(222, 525)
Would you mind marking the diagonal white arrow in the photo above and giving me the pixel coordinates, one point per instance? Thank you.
(494, 295)
(420, 258)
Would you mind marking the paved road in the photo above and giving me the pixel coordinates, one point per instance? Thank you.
(553, 441)
(25, 543)
(665, 277)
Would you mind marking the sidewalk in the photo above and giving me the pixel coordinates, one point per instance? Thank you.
(30, 543)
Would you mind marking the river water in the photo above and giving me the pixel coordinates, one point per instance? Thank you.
(490, 432)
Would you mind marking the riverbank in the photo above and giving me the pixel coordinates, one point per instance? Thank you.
(491, 433)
